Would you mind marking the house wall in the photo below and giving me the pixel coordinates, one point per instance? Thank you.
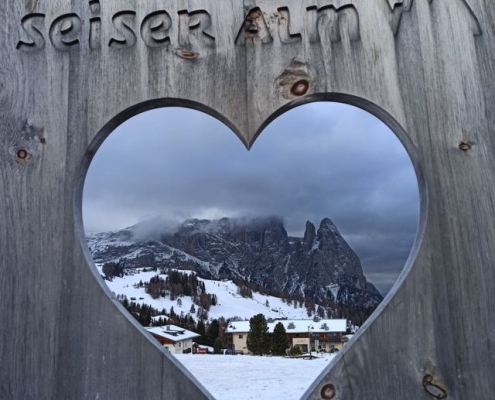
(174, 347)
(303, 343)
(182, 345)
(170, 348)
(325, 340)
(240, 342)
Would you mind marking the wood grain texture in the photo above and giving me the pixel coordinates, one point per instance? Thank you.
(426, 68)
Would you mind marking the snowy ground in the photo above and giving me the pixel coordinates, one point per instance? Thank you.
(254, 378)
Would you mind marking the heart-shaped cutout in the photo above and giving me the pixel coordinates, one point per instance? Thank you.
(317, 161)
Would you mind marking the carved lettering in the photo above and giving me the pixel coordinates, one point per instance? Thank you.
(399, 7)
(124, 22)
(311, 22)
(284, 27)
(189, 30)
(395, 3)
(475, 22)
(95, 6)
(254, 29)
(155, 29)
(334, 23)
(31, 24)
(95, 25)
(197, 24)
(65, 32)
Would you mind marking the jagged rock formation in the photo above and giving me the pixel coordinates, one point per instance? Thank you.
(257, 250)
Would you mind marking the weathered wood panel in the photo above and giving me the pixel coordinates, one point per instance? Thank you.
(72, 71)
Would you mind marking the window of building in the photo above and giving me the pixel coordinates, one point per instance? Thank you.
(241, 336)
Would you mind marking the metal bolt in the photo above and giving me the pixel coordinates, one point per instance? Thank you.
(22, 154)
(328, 392)
(300, 88)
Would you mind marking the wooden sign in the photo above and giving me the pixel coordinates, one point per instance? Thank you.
(71, 71)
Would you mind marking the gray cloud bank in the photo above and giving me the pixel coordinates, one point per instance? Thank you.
(318, 160)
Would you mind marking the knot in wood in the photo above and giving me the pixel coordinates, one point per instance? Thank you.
(295, 81)
(328, 392)
(187, 54)
(300, 88)
(465, 146)
(433, 389)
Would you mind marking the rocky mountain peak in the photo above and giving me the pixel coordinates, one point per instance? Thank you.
(274, 226)
(327, 228)
(256, 250)
(309, 236)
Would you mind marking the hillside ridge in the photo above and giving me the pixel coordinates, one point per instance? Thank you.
(319, 266)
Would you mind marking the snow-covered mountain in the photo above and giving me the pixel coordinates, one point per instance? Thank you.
(318, 266)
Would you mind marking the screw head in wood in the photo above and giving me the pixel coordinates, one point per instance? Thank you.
(328, 392)
(300, 88)
(22, 154)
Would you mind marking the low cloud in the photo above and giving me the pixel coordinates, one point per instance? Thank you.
(153, 228)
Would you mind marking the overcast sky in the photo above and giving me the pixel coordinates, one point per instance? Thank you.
(318, 160)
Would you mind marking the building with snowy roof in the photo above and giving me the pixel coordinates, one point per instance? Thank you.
(174, 338)
(326, 334)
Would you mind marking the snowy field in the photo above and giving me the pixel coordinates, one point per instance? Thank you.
(254, 378)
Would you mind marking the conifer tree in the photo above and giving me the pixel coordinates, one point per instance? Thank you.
(212, 332)
(258, 340)
(217, 346)
(201, 330)
(279, 340)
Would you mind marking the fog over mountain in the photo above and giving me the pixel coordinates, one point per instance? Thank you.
(319, 160)
(255, 250)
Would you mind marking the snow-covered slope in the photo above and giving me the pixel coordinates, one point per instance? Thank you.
(230, 304)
